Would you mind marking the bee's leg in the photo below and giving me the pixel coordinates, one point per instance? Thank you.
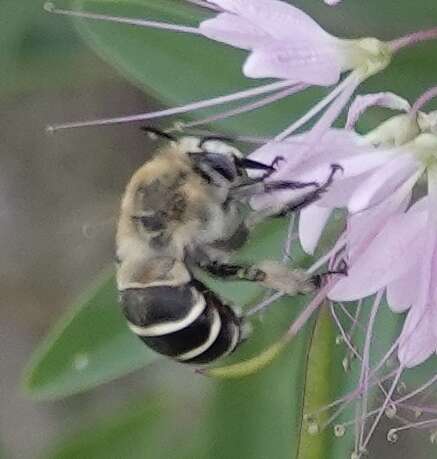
(268, 273)
(259, 186)
(313, 196)
(246, 163)
(319, 278)
(281, 209)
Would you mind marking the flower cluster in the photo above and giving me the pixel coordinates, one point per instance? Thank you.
(386, 185)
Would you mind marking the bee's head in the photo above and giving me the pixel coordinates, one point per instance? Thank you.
(217, 154)
(214, 153)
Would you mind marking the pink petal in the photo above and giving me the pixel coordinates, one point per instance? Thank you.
(390, 255)
(234, 30)
(280, 19)
(364, 162)
(332, 147)
(340, 191)
(299, 166)
(364, 226)
(382, 99)
(289, 150)
(402, 292)
(417, 340)
(312, 221)
(421, 304)
(296, 61)
(383, 182)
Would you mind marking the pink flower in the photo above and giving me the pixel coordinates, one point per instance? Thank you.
(315, 165)
(369, 176)
(284, 42)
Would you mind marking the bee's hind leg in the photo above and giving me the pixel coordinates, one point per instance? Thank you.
(268, 273)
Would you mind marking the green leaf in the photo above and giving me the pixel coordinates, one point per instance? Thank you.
(90, 345)
(134, 433)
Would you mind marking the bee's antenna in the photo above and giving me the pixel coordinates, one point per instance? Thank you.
(155, 132)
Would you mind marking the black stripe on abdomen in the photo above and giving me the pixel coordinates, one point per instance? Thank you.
(226, 342)
(162, 309)
(188, 323)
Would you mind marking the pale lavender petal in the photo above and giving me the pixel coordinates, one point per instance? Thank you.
(402, 292)
(296, 61)
(341, 190)
(363, 227)
(383, 182)
(234, 30)
(382, 99)
(333, 111)
(291, 151)
(312, 221)
(334, 145)
(417, 340)
(280, 19)
(365, 162)
(390, 255)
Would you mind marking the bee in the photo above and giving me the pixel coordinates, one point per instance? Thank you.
(188, 209)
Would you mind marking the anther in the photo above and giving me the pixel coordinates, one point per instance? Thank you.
(50, 129)
(346, 364)
(391, 411)
(392, 436)
(49, 7)
(401, 388)
(339, 430)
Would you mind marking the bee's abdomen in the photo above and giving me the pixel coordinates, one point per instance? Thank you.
(182, 322)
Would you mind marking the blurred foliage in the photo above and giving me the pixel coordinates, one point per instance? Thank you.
(39, 51)
(89, 347)
(260, 416)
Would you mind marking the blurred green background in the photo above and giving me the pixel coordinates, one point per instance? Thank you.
(58, 200)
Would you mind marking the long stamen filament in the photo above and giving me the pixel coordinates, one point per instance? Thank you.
(418, 390)
(264, 304)
(289, 240)
(247, 107)
(341, 242)
(204, 4)
(317, 108)
(205, 103)
(343, 333)
(383, 407)
(51, 8)
(364, 377)
(414, 425)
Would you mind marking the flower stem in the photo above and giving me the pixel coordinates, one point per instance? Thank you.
(412, 39)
